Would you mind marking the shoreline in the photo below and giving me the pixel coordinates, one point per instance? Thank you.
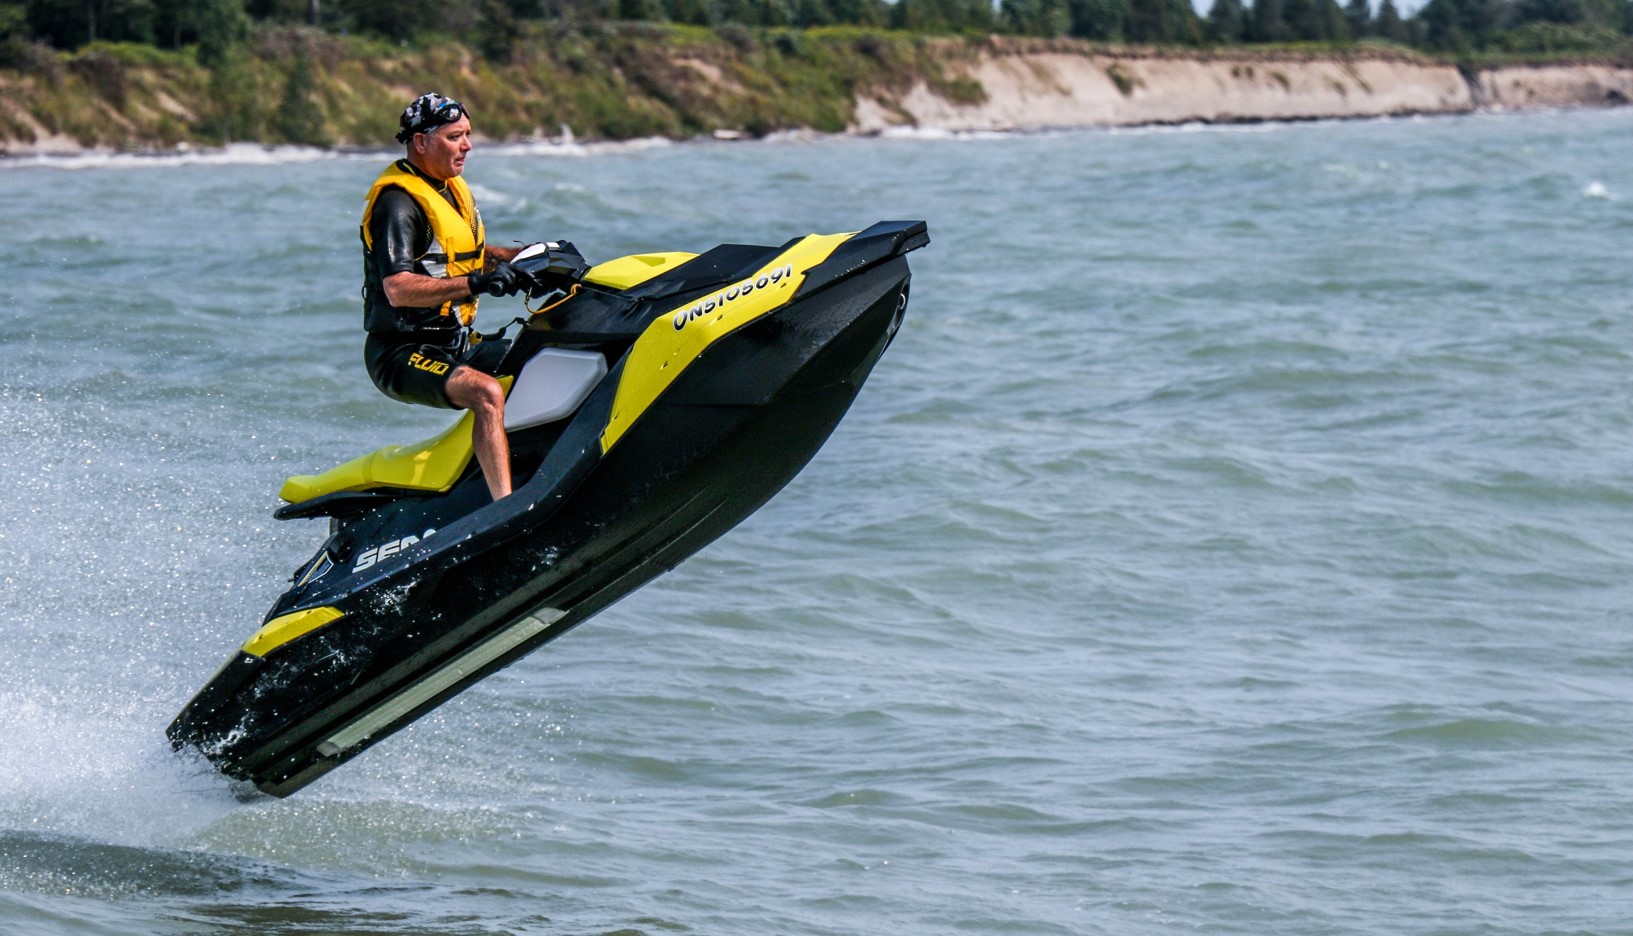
(240, 154)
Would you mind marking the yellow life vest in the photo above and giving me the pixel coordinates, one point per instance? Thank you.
(458, 239)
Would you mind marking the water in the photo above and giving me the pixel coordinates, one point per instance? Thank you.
(1238, 539)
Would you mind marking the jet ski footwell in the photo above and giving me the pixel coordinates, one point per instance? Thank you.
(347, 658)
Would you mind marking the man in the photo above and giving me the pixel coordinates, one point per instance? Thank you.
(425, 261)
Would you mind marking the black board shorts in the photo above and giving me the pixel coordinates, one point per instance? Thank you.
(407, 369)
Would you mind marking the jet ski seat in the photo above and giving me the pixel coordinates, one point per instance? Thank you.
(431, 465)
(554, 383)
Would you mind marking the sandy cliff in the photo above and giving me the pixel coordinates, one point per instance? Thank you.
(1032, 88)
(1554, 86)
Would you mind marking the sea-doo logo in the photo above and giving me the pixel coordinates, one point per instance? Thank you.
(704, 306)
(381, 553)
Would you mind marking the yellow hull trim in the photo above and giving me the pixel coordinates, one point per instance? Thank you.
(286, 627)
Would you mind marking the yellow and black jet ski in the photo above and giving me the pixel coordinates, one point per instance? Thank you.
(653, 403)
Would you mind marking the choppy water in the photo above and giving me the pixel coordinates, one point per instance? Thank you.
(1237, 539)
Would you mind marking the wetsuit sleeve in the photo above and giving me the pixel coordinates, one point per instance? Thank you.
(400, 231)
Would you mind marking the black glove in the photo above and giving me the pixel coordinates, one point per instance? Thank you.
(502, 280)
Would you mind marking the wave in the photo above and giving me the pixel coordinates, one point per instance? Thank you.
(233, 154)
(256, 154)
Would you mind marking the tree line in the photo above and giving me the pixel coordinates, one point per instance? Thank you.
(1450, 26)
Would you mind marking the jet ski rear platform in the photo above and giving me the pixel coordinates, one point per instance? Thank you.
(688, 390)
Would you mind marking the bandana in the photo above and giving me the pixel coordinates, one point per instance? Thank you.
(428, 112)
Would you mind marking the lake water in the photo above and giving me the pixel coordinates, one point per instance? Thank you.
(1238, 538)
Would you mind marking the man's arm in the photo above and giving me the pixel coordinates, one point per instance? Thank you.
(418, 291)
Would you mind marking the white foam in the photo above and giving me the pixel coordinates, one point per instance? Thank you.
(98, 767)
(235, 154)
(493, 198)
(1598, 190)
(1197, 126)
(255, 154)
(799, 135)
(938, 133)
(567, 148)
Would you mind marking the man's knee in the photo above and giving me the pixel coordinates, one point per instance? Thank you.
(471, 389)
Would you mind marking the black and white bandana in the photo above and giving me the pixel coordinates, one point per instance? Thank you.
(428, 112)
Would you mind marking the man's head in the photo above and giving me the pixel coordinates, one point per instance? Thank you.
(437, 132)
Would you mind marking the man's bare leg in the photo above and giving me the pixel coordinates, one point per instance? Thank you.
(473, 390)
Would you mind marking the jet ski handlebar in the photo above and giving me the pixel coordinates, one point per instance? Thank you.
(553, 266)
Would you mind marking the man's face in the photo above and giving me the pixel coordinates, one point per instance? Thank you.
(441, 152)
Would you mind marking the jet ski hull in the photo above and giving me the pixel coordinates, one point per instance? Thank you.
(718, 442)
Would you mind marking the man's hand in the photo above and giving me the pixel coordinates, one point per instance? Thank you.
(502, 280)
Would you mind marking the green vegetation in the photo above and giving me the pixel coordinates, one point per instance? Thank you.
(146, 73)
(294, 84)
(1125, 82)
(498, 29)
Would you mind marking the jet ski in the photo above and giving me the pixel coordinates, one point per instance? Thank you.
(653, 402)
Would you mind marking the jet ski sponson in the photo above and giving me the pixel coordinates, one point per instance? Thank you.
(654, 401)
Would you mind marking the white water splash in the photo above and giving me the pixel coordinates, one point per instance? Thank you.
(98, 766)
